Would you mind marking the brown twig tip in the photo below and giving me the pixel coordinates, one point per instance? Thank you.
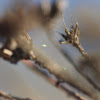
(72, 37)
(66, 29)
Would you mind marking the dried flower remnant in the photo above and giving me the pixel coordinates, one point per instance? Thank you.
(72, 37)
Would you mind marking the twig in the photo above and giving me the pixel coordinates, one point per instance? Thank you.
(75, 95)
(72, 37)
(66, 29)
(4, 96)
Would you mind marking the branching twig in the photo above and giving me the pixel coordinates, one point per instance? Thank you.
(72, 37)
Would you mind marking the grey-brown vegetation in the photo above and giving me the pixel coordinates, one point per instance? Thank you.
(18, 46)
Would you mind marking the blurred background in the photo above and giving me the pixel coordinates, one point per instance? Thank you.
(18, 80)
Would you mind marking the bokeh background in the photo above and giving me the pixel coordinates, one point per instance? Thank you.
(18, 80)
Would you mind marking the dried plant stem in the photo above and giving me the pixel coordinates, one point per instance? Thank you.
(43, 61)
(66, 29)
(72, 37)
(85, 55)
(69, 92)
(4, 96)
(81, 50)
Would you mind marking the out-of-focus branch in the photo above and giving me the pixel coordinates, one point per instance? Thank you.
(53, 81)
(4, 96)
(19, 46)
(21, 18)
(63, 75)
(76, 81)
